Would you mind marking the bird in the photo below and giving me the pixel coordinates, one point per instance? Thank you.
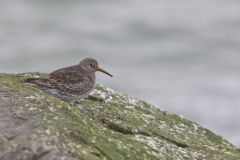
(71, 83)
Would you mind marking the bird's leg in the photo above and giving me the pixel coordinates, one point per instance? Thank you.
(95, 98)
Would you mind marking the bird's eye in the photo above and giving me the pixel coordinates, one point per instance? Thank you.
(92, 65)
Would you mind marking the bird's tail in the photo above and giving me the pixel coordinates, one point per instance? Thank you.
(43, 82)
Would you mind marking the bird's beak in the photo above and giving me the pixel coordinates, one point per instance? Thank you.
(103, 71)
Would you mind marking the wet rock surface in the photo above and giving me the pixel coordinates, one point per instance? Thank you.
(108, 125)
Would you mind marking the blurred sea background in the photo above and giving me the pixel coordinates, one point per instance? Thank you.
(183, 56)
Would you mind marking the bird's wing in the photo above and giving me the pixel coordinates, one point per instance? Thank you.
(63, 72)
(67, 75)
(68, 80)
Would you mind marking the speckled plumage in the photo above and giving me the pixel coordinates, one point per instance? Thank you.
(71, 83)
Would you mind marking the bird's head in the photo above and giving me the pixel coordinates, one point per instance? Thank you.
(91, 65)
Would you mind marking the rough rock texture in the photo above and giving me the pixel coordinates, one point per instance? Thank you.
(110, 125)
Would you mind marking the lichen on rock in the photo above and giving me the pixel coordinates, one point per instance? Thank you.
(108, 125)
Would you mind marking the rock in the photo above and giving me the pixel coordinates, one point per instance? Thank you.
(109, 125)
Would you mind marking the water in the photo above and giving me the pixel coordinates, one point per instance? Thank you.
(180, 55)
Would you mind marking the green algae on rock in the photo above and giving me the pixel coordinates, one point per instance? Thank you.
(109, 125)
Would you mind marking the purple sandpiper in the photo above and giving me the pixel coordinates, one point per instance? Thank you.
(72, 83)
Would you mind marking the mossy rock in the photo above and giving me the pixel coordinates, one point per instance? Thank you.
(109, 125)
